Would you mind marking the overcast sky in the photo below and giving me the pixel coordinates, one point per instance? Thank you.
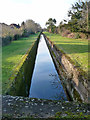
(16, 11)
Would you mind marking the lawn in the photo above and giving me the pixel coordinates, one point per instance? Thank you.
(13, 54)
(76, 49)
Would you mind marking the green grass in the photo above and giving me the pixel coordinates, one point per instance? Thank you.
(70, 115)
(12, 55)
(76, 49)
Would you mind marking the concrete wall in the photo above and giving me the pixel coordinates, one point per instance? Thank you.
(21, 81)
(73, 81)
(24, 108)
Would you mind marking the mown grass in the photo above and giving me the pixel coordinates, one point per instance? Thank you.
(76, 49)
(13, 54)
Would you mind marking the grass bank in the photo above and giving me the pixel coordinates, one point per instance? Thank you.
(12, 55)
(76, 49)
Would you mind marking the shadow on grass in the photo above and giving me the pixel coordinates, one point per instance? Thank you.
(73, 48)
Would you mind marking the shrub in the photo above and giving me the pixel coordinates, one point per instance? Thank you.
(66, 33)
(71, 35)
(7, 40)
(77, 35)
(16, 37)
(14, 31)
(83, 36)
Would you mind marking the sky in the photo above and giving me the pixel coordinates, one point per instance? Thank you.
(17, 11)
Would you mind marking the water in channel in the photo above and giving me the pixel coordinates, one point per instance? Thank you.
(45, 83)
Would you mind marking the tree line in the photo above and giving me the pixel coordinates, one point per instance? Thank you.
(13, 31)
(79, 21)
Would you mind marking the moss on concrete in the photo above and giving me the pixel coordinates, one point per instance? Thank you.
(70, 73)
(21, 77)
(25, 108)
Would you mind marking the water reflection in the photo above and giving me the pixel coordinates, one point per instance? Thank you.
(56, 84)
(45, 82)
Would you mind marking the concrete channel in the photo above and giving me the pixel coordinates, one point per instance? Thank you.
(75, 83)
(24, 101)
(45, 83)
(50, 71)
